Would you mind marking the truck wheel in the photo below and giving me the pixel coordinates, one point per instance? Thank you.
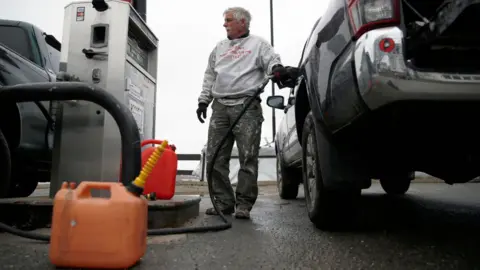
(287, 180)
(23, 185)
(5, 166)
(328, 209)
(395, 185)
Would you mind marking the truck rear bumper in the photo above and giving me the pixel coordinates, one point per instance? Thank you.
(384, 76)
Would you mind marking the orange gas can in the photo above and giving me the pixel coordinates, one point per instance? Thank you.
(162, 179)
(101, 233)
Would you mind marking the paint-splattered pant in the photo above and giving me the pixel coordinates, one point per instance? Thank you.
(246, 134)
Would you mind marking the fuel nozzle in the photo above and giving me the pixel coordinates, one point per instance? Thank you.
(136, 186)
(99, 5)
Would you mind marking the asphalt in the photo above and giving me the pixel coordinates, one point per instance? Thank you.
(435, 226)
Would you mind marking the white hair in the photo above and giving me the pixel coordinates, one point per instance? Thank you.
(240, 13)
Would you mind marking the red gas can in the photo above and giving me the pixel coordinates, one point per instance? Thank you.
(163, 176)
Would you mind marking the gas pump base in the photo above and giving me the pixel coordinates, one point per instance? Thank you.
(32, 213)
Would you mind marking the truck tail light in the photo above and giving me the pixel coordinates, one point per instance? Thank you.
(366, 15)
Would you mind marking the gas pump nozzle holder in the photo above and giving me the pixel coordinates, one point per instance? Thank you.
(99, 5)
(139, 5)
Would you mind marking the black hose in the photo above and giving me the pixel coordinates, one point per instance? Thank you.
(50, 122)
(25, 234)
(45, 113)
(220, 227)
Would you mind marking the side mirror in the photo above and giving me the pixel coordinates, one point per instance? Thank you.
(52, 41)
(276, 102)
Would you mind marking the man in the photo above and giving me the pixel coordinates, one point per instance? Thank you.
(236, 67)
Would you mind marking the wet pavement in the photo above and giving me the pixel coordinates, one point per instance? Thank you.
(435, 226)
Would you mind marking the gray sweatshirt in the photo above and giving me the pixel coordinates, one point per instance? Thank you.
(236, 68)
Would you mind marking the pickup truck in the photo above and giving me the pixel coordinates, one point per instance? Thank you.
(387, 88)
(27, 54)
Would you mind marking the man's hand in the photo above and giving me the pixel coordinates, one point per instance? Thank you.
(202, 111)
(278, 73)
(285, 76)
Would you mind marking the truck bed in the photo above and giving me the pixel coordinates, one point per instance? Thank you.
(450, 42)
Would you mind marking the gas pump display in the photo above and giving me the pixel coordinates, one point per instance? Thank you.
(136, 53)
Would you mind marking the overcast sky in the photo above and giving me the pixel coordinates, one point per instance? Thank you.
(187, 32)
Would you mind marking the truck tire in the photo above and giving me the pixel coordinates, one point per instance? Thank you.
(395, 185)
(328, 209)
(287, 180)
(5, 166)
(23, 187)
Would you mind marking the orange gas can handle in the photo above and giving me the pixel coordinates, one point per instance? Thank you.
(83, 190)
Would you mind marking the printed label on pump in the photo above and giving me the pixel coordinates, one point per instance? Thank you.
(134, 90)
(80, 14)
(140, 97)
(137, 110)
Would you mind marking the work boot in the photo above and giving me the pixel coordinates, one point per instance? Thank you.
(226, 211)
(242, 213)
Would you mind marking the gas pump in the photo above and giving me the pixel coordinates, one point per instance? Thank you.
(106, 43)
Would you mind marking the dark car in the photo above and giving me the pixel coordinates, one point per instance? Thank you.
(387, 88)
(27, 55)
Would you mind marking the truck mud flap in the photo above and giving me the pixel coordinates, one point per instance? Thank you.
(448, 12)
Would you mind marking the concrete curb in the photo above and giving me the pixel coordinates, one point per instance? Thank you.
(204, 183)
(36, 212)
(174, 212)
(274, 182)
(423, 180)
